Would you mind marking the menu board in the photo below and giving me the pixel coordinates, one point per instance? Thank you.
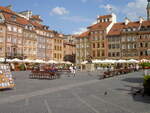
(6, 79)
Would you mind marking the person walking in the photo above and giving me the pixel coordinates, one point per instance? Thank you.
(70, 69)
(74, 71)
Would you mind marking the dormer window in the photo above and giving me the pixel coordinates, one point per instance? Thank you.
(124, 30)
(129, 29)
(148, 27)
(143, 28)
(30, 28)
(26, 27)
(134, 29)
(1, 19)
(14, 17)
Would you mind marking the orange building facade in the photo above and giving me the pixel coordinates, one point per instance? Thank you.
(23, 36)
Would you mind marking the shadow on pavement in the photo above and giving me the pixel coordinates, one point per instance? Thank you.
(136, 92)
(133, 80)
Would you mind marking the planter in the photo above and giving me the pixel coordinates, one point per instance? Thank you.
(147, 84)
(146, 67)
(147, 89)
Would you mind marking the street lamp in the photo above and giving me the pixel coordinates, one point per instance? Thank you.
(5, 58)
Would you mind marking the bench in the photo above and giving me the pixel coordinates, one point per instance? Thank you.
(44, 75)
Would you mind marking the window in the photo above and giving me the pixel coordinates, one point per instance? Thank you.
(113, 54)
(134, 46)
(94, 45)
(1, 29)
(141, 44)
(141, 53)
(19, 41)
(103, 45)
(123, 39)
(1, 49)
(14, 29)
(19, 30)
(9, 39)
(109, 46)
(54, 55)
(98, 53)
(146, 44)
(103, 54)
(9, 28)
(109, 54)
(93, 53)
(118, 54)
(1, 39)
(1, 19)
(113, 46)
(13, 17)
(140, 37)
(8, 49)
(117, 46)
(129, 47)
(146, 54)
(123, 47)
(129, 38)
(98, 45)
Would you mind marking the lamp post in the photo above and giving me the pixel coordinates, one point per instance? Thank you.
(5, 58)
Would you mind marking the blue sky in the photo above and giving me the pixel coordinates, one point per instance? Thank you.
(73, 16)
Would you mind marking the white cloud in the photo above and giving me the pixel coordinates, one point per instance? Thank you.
(59, 11)
(131, 10)
(135, 9)
(94, 22)
(76, 19)
(109, 7)
(79, 31)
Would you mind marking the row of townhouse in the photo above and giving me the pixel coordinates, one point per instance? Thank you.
(22, 35)
(108, 39)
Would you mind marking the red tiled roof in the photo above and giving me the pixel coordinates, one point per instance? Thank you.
(146, 23)
(8, 16)
(83, 34)
(5, 9)
(19, 20)
(116, 29)
(36, 17)
(102, 25)
(37, 24)
(105, 16)
(132, 24)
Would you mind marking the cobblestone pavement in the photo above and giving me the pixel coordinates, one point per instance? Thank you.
(84, 93)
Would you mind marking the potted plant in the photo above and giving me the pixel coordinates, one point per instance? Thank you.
(145, 65)
(146, 84)
(22, 67)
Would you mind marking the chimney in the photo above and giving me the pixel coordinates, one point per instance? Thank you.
(127, 20)
(114, 18)
(27, 13)
(9, 7)
(141, 19)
